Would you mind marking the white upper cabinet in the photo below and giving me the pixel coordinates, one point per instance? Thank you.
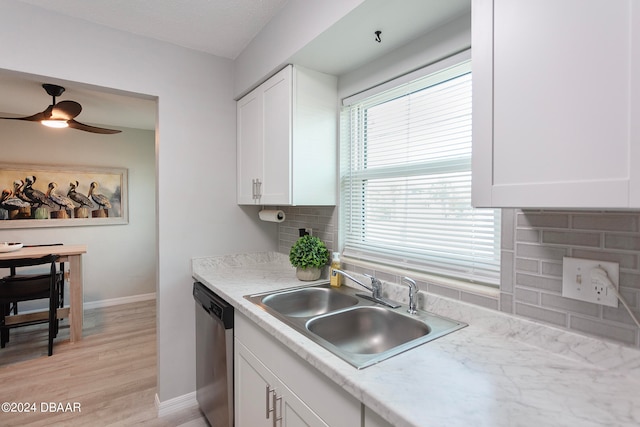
(287, 140)
(249, 146)
(556, 118)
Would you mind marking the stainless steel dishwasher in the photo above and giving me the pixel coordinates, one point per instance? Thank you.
(214, 356)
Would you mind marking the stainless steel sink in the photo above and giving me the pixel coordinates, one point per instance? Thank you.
(357, 330)
(308, 302)
(367, 330)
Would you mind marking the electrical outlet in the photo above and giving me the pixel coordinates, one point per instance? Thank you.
(587, 280)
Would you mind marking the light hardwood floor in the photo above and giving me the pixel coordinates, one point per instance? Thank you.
(111, 373)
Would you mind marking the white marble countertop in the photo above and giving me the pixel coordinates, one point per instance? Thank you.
(498, 371)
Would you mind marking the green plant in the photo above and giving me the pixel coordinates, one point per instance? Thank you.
(308, 251)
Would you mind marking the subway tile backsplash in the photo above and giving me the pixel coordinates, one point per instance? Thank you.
(542, 238)
(322, 219)
(533, 244)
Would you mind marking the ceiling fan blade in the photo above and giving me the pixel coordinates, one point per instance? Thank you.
(46, 114)
(80, 126)
(34, 118)
(66, 110)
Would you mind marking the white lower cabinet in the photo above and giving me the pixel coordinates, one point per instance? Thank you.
(263, 400)
(276, 388)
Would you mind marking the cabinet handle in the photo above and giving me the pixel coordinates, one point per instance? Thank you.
(267, 403)
(275, 411)
(258, 189)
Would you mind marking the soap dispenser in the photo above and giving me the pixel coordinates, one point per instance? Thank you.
(335, 280)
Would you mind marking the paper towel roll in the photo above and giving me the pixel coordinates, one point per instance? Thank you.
(271, 215)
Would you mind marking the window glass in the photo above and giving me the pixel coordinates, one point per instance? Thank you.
(406, 181)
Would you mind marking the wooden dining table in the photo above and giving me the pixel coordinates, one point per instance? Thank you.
(71, 254)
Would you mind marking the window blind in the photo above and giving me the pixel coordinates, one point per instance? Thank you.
(406, 181)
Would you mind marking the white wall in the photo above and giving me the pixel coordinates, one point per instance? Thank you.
(440, 43)
(110, 270)
(298, 23)
(195, 153)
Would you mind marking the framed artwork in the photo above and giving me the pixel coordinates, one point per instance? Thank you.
(62, 196)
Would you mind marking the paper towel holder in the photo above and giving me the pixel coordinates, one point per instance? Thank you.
(271, 215)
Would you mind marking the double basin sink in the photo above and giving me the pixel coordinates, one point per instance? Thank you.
(359, 331)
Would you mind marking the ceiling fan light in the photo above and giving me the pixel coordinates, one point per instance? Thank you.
(55, 123)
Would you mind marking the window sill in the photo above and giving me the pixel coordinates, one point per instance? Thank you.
(458, 285)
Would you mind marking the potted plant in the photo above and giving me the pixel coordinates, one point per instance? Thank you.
(308, 254)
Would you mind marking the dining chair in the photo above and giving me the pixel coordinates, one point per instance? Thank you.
(27, 287)
(60, 280)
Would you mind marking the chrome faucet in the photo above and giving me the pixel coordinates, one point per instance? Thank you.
(334, 271)
(375, 288)
(413, 294)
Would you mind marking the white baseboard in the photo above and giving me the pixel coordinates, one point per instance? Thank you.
(176, 404)
(118, 301)
(31, 308)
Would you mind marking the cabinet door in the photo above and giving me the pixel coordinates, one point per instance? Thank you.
(290, 118)
(249, 146)
(314, 398)
(295, 413)
(277, 104)
(252, 399)
(260, 396)
(554, 99)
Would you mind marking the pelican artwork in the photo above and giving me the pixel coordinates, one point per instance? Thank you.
(86, 205)
(19, 199)
(18, 185)
(101, 200)
(36, 197)
(63, 202)
(79, 198)
(14, 206)
(10, 202)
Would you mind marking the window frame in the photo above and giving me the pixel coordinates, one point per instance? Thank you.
(408, 81)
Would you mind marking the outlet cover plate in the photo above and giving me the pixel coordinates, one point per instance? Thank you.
(578, 282)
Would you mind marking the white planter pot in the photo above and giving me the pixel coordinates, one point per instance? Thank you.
(310, 273)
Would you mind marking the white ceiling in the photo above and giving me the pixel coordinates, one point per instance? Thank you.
(222, 28)
(351, 42)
